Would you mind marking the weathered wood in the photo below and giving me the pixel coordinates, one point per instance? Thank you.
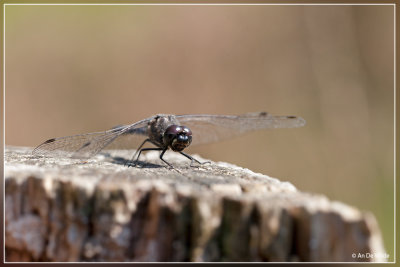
(100, 210)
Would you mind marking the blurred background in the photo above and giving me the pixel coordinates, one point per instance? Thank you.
(79, 69)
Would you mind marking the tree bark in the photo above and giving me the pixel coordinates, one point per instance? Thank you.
(62, 209)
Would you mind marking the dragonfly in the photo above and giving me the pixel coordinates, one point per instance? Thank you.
(167, 131)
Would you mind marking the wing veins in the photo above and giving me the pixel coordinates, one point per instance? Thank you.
(75, 144)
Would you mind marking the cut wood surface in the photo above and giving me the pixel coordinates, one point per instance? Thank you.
(62, 209)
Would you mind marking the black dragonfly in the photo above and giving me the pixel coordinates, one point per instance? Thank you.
(165, 132)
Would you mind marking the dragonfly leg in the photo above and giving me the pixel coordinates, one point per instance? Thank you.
(140, 152)
(193, 159)
(161, 157)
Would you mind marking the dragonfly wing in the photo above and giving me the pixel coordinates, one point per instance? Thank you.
(88, 145)
(213, 128)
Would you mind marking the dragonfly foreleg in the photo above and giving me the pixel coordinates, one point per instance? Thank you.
(193, 159)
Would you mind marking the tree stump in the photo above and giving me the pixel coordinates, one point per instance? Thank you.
(63, 209)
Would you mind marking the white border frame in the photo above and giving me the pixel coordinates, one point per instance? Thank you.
(208, 4)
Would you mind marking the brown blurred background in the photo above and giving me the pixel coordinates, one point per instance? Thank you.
(78, 69)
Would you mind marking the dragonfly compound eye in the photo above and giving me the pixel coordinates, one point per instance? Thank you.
(186, 130)
(177, 137)
(181, 142)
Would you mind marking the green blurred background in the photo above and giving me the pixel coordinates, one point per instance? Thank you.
(78, 69)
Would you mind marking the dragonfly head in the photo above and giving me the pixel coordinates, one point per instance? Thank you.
(177, 137)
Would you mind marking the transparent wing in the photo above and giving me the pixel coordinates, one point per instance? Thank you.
(88, 145)
(213, 128)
